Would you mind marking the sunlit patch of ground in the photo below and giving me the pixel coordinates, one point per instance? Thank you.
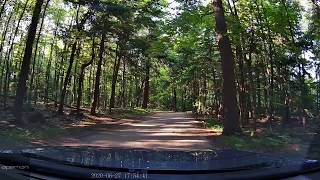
(164, 131)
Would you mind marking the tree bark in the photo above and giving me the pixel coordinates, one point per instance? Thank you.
(67, 78)
(96, 93)
(22, 83)
(231, 114)
(123, 92)
(48, 69)
(36, 51)
(146, 86)
(174, 100)
(7, 58)
(116, 67)
(82, 75)
(2, 42)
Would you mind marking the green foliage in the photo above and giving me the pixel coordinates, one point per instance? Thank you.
(214, 125)
(266, 143)
(130, 113)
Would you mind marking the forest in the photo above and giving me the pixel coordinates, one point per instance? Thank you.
(244, 63)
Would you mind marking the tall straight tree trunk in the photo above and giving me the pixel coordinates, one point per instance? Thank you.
(90, 83)
(20, 56)
(252, 93)
(146, 85)
(240, 56)
(60, 73)
(82, 75)
(271, 90)
(36, 50)
(48, 70)
(286, 111)
(23, 77)
(7, 58)
(74, 86)
(123, 92)
(174, 99)
(2, 43)
(96, 93)
(67, 78)
(231, 114)
(270, 93)
(138, 91)
(242, 89)
(116, 67)
(251, 86)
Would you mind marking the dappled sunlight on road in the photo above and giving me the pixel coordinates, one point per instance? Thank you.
(160, 131)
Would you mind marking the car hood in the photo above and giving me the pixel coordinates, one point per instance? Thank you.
(160, 159)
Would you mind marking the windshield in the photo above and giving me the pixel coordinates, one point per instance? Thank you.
(172, 81)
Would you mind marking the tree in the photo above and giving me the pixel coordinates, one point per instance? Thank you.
(82, 74)
(23, 77)
(146, 86)
(97, 82)
(231, 121)
(79, 28)
(34, 62)
(67, 77)
(116, 67)
(7, 58)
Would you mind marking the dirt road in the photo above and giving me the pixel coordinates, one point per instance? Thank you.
(161, 131)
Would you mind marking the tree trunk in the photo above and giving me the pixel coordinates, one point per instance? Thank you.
(96, 93)
(231, 115)
(22, 83)
(48, 69)
(123, 92)
(174, 100)
(146, 86)
(2, 43)
(67, 78)
(240, 56)
(251, 87)
(137, 92)
(36, 51)
(7, 58)
(116, 67)
(74, 82)
(82, 75)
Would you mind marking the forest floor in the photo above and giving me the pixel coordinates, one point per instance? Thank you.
(138, 128)
(293, 139)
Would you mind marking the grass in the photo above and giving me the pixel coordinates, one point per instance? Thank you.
(14, 135)
(48, 133)
(264, 141)
(214, 125)
(19, 136)
(130, 113)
